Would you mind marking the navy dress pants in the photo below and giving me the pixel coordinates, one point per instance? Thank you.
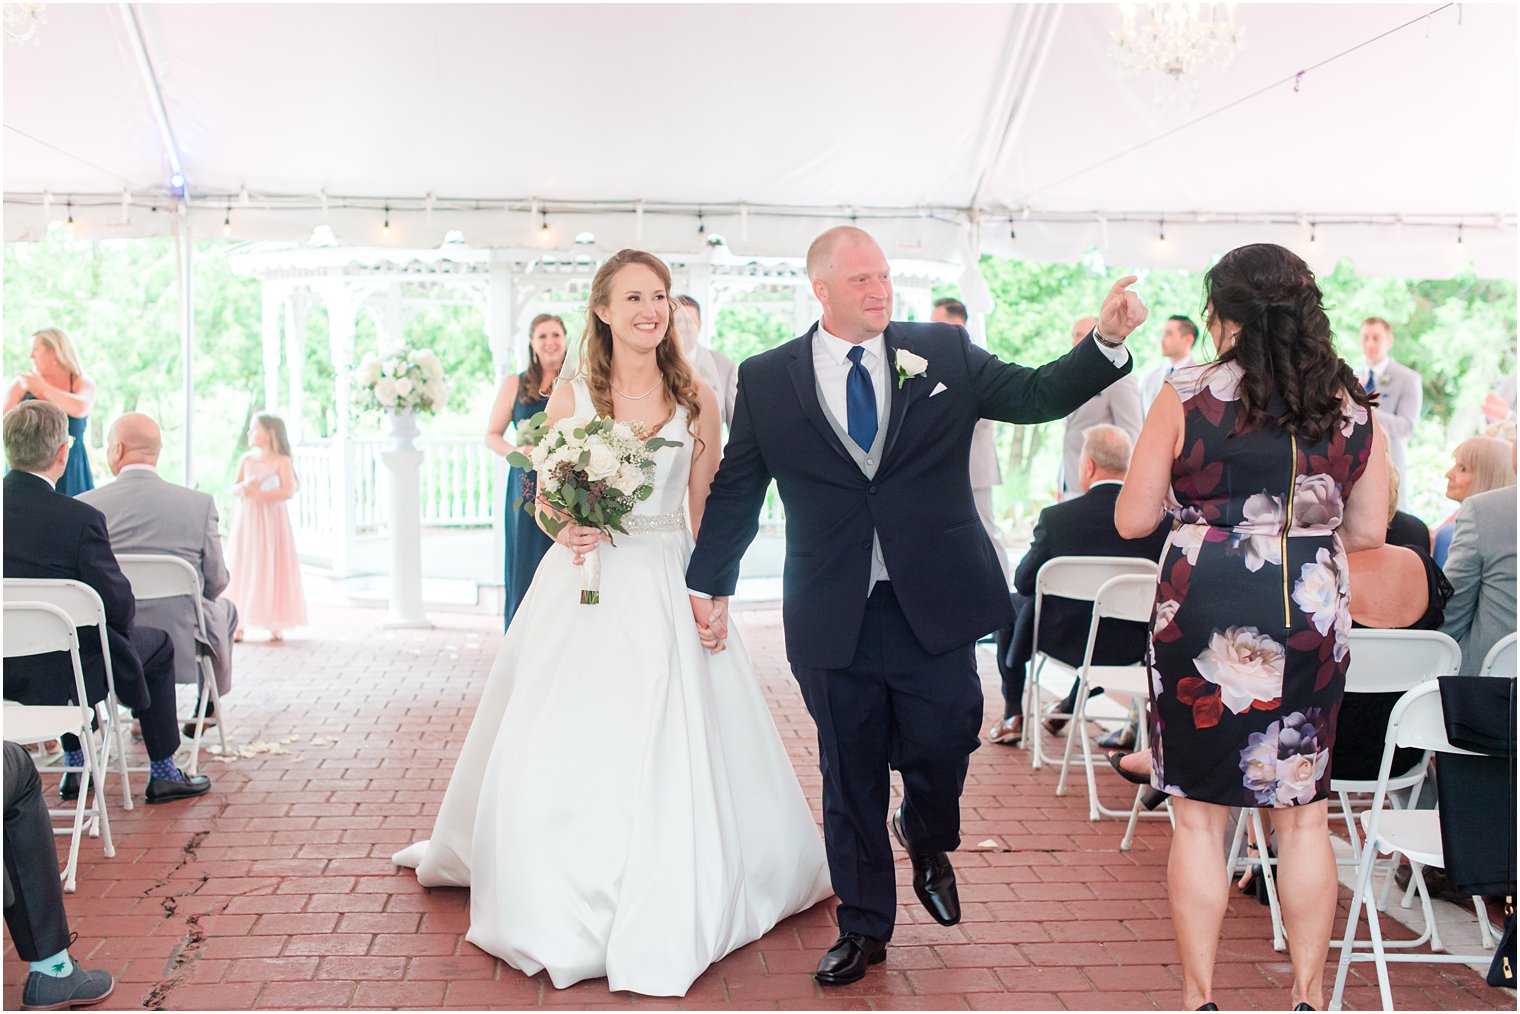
(894, 707)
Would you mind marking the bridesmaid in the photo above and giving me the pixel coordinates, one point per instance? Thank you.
(521, 396)
(266, 572)
(56, 377)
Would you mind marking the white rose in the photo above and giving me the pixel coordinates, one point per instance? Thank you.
(539, 455)
(385, 392)
(1259, 762)
(437, 392)
(1298, 775)
(426, 359)
(1165, 613)
(629, 478)
(565, 427)
(367, 372)
(1316, 502)
(602, 464)
(622, 431)
(1264, 514)
(1260, 550)
(908, 364)
(404, 387)
(1189, 538)
(1317, 593)
(1245, 664)
(1355, 416)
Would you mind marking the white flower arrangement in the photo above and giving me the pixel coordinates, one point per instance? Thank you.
(404, 380)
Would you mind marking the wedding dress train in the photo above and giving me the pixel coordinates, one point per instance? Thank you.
(623, 805)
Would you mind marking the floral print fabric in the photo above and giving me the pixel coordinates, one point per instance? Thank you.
(1249, 634)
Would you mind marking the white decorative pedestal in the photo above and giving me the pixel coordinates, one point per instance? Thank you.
(404, 462)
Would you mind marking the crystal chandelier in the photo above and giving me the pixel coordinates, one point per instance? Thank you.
(23, 20)
(1175, 41)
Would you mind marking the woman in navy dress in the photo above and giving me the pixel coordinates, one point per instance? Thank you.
(1273, 468)
(521, 396)
(56, 377)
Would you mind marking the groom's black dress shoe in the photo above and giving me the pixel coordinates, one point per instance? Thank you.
(933, 877)
(847, 960)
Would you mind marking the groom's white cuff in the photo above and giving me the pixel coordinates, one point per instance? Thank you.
(1118, 356)
(698, 595)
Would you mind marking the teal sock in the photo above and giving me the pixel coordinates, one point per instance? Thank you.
(59, 966)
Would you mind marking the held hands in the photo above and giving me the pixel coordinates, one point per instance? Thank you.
(1122, 310)
(712, 621)
(580, 540)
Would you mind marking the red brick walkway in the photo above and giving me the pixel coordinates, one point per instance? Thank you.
(277, 890)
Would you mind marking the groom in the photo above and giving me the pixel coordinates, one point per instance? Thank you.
(865, 424)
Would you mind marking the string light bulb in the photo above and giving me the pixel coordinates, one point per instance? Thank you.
(1313, 236)
(227, 222)
(701, 225)
(1161, 234)
(1459, 234)
(385, 228)
(69, 222)
(543, 228)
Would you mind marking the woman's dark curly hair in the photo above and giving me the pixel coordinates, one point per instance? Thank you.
(1285, 344)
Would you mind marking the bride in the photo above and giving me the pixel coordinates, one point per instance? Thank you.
(623, 805)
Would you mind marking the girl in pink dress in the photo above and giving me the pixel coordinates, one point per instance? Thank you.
(266, 573)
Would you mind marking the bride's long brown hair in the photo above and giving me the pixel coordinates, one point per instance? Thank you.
(596, 344)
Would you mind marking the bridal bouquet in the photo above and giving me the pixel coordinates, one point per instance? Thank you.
(593, 472)
(405, 380)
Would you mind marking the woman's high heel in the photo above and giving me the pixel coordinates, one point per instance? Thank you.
(1114, 759)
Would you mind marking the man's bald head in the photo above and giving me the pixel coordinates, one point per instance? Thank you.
(134, 439)
(820, 256)
(1080, 328)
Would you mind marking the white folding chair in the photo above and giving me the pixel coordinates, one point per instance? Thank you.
(40, 628)
(1417, 721)
(82, 604)
(1071, 577)
(160, 576)
(1128, 597)
(1501, 658)
(1382, 661)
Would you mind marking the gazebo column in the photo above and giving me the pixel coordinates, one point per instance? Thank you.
(273, 299)
(501, 314)
(342, 313)
(295, 358)
(700, 288)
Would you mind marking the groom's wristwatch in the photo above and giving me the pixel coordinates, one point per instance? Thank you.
(1106, 343)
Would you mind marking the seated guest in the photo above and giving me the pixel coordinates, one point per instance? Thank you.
(1410, 532)
(1393, 587)
(1082, 526)
(48, 535)
(1481, 568)
(34, 898)
(146, 513)
(1479, 464)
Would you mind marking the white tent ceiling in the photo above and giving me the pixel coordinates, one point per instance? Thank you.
(914, 117)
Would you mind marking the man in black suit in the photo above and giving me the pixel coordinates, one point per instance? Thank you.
(48, 535)
(866, 425)
(1082, 526)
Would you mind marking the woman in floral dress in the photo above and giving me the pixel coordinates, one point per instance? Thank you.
(1260, 459)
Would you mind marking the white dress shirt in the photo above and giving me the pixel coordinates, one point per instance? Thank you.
(831, 361)
(1155, 380)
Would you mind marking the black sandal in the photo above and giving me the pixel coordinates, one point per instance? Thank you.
(1114, 757)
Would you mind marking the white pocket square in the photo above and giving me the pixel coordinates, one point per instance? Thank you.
(938, 389)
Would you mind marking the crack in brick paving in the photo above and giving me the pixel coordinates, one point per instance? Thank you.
(187, 951)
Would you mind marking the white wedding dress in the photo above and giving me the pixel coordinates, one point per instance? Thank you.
(623, 805)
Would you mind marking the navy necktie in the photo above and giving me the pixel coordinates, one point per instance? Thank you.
(860, 402)
(1371, 385)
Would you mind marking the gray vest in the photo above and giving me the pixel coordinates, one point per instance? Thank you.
(866, 461)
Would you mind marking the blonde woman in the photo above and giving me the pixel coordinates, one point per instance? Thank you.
(623, 806)
(1479, 464)
(56, 377)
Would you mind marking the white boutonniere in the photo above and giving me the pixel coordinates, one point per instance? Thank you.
(908, 366)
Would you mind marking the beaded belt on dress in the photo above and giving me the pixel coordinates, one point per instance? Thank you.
(641, 524)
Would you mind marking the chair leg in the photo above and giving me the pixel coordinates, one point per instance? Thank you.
(216, 699)
(1484, 932)
(1235, 839)
(1269, 875)
(1032, 717)
(1379, 957)
(121, 751)
(97, 775)
(1078, 727)
(202, 696)
(1353, 917)
(1142, 742)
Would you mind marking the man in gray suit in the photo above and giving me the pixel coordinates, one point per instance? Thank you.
(1399, 392)
(711, 365)
(1481, 569)
(147, 514)
(1118, 404)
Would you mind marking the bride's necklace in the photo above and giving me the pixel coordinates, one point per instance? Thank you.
(636, 397)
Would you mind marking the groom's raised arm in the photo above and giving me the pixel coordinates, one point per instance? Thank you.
(732, 515)
(1018, 394)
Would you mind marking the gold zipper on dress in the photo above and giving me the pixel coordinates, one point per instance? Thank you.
(1288, 523)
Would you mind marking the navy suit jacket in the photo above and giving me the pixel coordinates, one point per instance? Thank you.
(50, 535)
(944, 571)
